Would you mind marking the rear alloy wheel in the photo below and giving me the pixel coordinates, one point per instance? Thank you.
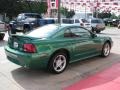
(58, 63)
(106, 49)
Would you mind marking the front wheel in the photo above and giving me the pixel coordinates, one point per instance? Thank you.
(106, 49)
(58, 63)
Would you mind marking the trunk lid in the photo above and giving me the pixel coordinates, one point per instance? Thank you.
(17, 41)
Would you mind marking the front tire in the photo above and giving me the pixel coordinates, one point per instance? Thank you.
(58, 63)
(97, 31)
(106, 49)
(2, 36)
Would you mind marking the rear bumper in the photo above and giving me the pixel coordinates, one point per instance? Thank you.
(27, 60)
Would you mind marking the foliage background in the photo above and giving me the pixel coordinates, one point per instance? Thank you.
(13, 7)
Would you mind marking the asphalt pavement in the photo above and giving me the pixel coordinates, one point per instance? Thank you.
(14, 77)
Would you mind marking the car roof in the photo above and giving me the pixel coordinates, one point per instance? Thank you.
(30, 13)
(65, 25)
(68, 25)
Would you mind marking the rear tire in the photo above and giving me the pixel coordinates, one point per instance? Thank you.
(92, 29)
(2, 36)
(58, 63)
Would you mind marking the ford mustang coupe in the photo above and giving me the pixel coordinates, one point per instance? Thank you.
(55, 46)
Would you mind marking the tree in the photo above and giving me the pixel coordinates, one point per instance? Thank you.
(63, 11)
(34, 6)
(67, 13)
(13, 7)
(10, 7)
(118, 16)
(113, 16)
(103, 14)
(70, 14)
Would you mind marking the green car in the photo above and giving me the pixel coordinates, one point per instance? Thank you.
(53, 47)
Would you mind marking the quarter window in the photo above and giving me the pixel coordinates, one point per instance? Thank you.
(80, 32)
(76, 32)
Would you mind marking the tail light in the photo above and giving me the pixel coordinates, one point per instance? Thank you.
(30, 48)
(81, 24)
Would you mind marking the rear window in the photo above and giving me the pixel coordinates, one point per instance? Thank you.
(84, 21)
(67, 21)
(44, 31)
(96, 21)
(77, 21)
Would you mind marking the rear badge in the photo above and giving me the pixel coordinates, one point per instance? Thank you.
(15, 45)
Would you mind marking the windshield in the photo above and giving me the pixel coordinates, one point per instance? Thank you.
(84, 21)
(20, 17)
(44, 31)
(24, 16)
(32, 16)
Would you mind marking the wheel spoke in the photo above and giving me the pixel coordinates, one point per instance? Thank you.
(106, 50)
(59, 63)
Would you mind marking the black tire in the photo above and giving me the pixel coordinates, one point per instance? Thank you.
(106, 49)
(25, 30)
(12, 31)
(53, 67)
(98, 31)
(2, 36)
(93, 30)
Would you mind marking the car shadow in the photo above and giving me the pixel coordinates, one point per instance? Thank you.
(43, 80)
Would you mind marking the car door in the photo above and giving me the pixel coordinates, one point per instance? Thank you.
(83, 45)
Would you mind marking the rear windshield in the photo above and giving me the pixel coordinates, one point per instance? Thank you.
(44, 31)
(67, 21)
(96, 21)
(84, 21)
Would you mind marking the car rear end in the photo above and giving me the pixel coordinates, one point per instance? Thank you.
(97, 25)
(85, 23)
(24, 52)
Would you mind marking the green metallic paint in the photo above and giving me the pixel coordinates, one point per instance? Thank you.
(78, 48)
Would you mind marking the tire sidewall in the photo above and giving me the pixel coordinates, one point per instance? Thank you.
(50, 64)
(103, 53)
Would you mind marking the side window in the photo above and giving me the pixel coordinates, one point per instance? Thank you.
(77, 21)
(67, 33)
(80, 32)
